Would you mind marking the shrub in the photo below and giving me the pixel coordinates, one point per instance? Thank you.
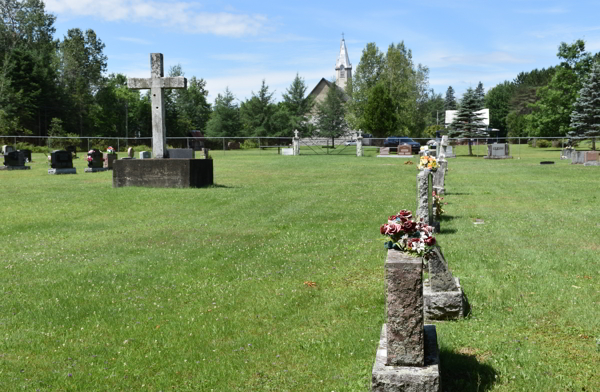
(248, 144)
(543, 143)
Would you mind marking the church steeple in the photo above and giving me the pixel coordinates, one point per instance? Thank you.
(343, 67)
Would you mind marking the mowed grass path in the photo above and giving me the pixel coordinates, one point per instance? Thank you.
(204, 289)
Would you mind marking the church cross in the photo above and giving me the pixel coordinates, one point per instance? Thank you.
(157, 83)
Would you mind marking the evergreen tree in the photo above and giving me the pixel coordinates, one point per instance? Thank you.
(467, 123)
(256, 113)
(450, 100)
(480, 95)
(330, 114)
(225, 118)
(296, 107)
(585, 118)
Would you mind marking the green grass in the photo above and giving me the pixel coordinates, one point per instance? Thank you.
(204, 289)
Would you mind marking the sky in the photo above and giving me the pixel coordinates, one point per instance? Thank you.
(237, 44)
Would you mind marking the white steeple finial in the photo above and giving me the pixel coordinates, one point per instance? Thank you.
(343, 67)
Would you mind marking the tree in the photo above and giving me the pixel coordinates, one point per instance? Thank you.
(256, 113)
(450, 100)
(467, 122)
(585, 118)
(480, 95)
(330, 114)
(225, 118)
(295, 106)
(498, 100)
(379, 116)
(81, 68)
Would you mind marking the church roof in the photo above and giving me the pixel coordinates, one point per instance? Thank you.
(343, 57)
(330, 84)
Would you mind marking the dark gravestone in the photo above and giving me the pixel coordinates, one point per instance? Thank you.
(61, 159)
(181, 153)
(163, 173)
(14, 158)
(95, 159)
(27, 154)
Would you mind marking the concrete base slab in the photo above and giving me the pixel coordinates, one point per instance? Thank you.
(451, 156)
(591, 164)
(62, 171)
(163, 173)
(444, 305)
(95, 169)
(492, 157)
(395, 156)
(15, 167)
(408, 378)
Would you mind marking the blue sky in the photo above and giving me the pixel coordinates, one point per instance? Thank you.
(240, 43)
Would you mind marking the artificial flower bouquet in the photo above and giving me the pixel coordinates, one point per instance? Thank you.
(110, 150)
(427, 162)
(437, 205)
(407, 235)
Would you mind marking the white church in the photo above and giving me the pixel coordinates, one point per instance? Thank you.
(343, 73)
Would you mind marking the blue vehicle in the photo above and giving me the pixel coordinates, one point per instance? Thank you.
(395, 141)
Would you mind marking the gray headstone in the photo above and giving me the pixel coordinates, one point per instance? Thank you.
(145, 155)
(440, 277)
(130, 152)
(405, 321)
(6, 149)
(287, 151)
(181, 153)
(424, 199)
(384, 151)
(439, 177)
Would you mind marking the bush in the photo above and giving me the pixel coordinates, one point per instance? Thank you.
(540, 143)
(248, 144)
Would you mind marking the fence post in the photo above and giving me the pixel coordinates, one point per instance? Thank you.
(223, 146)
(88, 139)
(118, 148)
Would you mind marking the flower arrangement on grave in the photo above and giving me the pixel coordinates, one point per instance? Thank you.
(424, 148)
(407, 235)
(89, 157)
(437, 205)
(427, 162)
(110, 150)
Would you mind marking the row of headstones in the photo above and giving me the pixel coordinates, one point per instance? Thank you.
(585, 158)
(408, 357)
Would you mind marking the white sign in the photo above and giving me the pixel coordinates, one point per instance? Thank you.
(483, 113)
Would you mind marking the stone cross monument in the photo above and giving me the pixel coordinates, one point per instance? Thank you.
(156, 84)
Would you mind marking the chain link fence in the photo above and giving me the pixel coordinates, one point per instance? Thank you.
(548, 148)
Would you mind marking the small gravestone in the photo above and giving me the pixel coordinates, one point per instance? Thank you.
(450, 152)
(108, 160)
(130, 153)
(407, 357)
(590, 158)
(27, 155)
(14, 160)
(405, 150)
(73, 151)
(6, 149)
(296, 143)
(443, 295)
(287, 151)
(145, 155)
(61, 162)
(95, 161)
(566, 153)
(498, 151)
(181, 153)
(425, 198)
(439, 177)
(384, 151)
(359, 144)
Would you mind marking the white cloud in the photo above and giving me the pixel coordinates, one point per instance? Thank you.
(174, 14)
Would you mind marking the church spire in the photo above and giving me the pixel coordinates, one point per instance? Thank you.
(343, 67)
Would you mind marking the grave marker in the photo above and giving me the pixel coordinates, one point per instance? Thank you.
(591, 158)
(443, 296)
(61, 162)
(109, 159)
(498, 151)
(14, 160)
(6, 149)
(181, 153)
(145, 155)
(407, 357)
(95, 161)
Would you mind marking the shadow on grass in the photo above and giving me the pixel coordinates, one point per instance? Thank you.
(221, 186)
(464, 373)
(448, 218)
(456, 194)
(447, 231)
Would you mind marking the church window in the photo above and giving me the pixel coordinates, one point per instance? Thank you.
(342, 72)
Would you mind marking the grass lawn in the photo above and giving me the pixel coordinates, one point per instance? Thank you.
(273, 279)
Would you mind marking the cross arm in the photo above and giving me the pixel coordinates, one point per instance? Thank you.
(145, 83)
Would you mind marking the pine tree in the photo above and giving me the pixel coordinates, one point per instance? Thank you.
(585, 118)
(480, 95)
(468, 123)
(225, 118)
(297, 105)
(450, 100)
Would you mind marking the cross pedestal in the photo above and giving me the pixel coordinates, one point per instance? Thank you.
(161, 173)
